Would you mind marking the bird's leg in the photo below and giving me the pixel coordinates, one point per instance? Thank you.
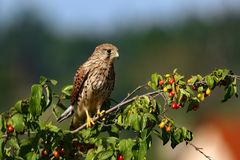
(90, 121)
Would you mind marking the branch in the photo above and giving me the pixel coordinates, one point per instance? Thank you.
(119, 105)
(134, 91)
(199, 150)
(236, 76)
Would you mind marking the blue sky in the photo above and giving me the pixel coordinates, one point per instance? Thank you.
(107, 15)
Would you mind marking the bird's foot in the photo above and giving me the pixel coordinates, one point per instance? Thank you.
(100, 113)
(90, 122)
(67, 113)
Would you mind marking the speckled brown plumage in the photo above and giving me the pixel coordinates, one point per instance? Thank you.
(93, 83)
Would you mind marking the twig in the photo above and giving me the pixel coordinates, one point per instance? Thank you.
(134, 91)
(165, 104)
(121, 104)
(199, 150)
(236, 76)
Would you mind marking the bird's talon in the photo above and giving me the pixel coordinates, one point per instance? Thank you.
(90, 122)
(100, 113)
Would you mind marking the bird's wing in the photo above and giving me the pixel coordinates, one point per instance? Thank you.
(79, 79)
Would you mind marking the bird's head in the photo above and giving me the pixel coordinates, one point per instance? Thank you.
(107, 52)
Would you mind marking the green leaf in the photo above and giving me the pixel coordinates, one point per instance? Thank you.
(125, 148)
(194, 101)
(177, 137)
(165, 136)
(235, 86)
(200, 89)
(155, 77)
(184, 92)
(150, 116)
(154, 81)
(105, 154)
(18, 122)
(86, 133)
(189, 136)
(210, 81)
(193, 79)
(228, 93)
(119, 120)
(1, 122)
(91, 154)
(18, 106)
(25, 146)
(2, 148)
(53, 82)
(56, 112)
(42, 80)
(141, 152)
(178, 77)
(134, 121)
(199, 77)
(67, 90)
(145, 100)
(114, 129)
(144, 120)
(14, 144)
(31, 156)
(157, 133)
(48, 97)
(184, 132)
(52, 128)
(175, 71)
(188, 90)
(112, 140)
(18, 158)
(174, 143)
(35, 101)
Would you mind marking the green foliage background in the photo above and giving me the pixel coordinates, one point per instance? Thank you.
(141, 116)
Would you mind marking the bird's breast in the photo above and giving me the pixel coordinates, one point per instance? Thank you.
(101, 79)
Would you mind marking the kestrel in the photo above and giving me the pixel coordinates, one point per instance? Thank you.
(93, 84)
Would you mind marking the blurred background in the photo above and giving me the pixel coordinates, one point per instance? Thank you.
(52, 38)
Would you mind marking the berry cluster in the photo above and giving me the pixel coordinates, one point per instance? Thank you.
(57, 153)
(166, 124)
(176, 91)
(168, 85)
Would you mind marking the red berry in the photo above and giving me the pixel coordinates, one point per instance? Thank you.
(161, 82)
(44, 153)
(171, 81)
(120, 157)
(179, 105)
(10, 128)
(175, 105)
(56, 154)
(62, 151)
(171, 94)
(168, 129)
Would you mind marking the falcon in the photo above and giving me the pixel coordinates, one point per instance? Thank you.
(93, 84)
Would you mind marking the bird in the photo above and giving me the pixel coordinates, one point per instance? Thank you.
(93, 83)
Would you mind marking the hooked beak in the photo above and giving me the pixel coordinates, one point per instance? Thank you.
(116, 55)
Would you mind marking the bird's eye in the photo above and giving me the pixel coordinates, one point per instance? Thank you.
(109, 50)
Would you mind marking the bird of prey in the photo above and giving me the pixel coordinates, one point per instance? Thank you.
(93, 84)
